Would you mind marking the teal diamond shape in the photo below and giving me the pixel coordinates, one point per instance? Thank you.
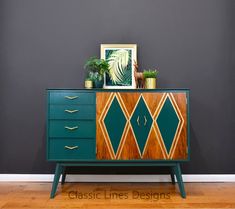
(115, 122)
(141, 122)
(168, 121)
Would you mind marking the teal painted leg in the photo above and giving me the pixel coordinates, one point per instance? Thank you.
(180, 182)
(58, 172)
(172, 176)
(63, 175)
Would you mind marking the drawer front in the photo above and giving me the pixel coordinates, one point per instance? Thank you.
(67, 149)
(72, 129)
(86, 112)
(71, 97)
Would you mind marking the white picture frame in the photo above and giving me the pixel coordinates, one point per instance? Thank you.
(121, 58)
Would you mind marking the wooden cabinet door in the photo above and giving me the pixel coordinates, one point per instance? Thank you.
(141, 125)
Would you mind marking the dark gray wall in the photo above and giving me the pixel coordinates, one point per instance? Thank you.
(44, 44)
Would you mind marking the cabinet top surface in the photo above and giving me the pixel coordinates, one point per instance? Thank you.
(103, 90)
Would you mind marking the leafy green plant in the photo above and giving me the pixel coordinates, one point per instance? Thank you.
(96, 68)
(95, 65)
(151, 73)
(88, 78)
(94, 76)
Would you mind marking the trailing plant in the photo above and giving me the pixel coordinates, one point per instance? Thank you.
(151, 73)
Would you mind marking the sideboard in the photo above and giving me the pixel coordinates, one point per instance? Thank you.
(101, 127)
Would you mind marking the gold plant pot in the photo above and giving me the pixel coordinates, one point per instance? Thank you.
(88, 84)
(150, 83)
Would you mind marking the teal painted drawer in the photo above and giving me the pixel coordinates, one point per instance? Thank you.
(71, 97)
(69, 149)
(71, 129)
(86, 112)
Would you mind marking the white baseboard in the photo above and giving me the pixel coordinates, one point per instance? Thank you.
(116, 178)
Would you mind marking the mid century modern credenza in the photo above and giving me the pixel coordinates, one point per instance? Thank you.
(104, 127)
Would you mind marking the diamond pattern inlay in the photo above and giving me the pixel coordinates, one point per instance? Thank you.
(168, 122)
(115, 122)
(141, 122)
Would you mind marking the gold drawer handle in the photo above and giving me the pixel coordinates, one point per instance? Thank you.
(71, 148)
(71, 97)
(71, 111)
(71, 128)
(145, 121)
(138, 120)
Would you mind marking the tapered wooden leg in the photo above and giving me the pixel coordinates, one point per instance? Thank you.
(180, 182)
(58, 172)
(63, 175)
(172, 176)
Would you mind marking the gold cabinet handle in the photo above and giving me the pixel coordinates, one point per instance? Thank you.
(71, 97)
(145, 120)
(138, 120)
(71, 128)
(71, 148)
(71, 111)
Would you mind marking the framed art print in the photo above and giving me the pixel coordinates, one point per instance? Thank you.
(121, 59)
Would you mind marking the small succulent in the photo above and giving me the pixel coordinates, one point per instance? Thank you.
(150, 73)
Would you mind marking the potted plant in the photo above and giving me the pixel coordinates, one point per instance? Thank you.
(88, 83)
(150, 77)
(96, 69)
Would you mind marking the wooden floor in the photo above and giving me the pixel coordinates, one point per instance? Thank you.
(117, 195)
